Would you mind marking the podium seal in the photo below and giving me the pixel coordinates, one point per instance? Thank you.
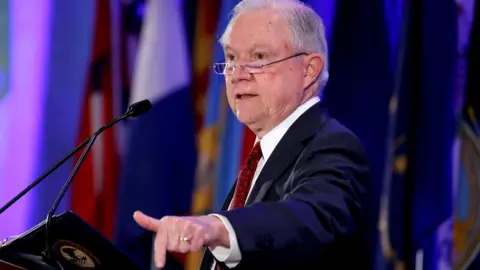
(76, 254)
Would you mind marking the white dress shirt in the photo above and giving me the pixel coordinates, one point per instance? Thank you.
(232, 256)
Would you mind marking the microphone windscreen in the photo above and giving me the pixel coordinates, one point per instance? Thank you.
(140, 107)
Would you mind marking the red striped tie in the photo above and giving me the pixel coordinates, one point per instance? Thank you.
(245, 177)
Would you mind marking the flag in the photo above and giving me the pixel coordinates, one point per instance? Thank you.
(209, 90)
(202, 31)
(417, 192)
(394, 12)
(360, 84)
(234, 139)
(160, 158)
(433, 130)
(94, 190)
(202, 52)
(467, 159)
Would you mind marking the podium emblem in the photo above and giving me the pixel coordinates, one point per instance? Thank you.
(76, 254)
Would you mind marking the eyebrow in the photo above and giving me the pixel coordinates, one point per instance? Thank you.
(261, 45)
(255, 46)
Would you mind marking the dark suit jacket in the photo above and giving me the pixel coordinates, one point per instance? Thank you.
(305, 210)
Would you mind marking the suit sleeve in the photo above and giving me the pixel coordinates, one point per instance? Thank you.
(322, 206)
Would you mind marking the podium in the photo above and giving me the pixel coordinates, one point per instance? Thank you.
(75, 245)
(8, 266)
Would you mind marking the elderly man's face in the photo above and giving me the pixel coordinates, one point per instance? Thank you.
(263, 100)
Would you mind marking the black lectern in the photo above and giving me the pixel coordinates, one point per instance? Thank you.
(75, 245)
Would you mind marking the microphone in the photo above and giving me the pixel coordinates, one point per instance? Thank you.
(133, 110)
(40, 179)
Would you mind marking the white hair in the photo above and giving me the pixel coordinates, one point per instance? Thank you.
(306, 26)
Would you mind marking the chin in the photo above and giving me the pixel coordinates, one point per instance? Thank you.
(244, 121)
(252, 124)
(243, 117)
(249, 117)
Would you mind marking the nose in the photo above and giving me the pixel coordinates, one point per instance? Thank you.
(240, 74)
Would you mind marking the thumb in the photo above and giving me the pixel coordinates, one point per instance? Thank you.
(146, 222)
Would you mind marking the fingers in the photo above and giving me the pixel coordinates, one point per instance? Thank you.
(184, 227)
(173, 233)
(200, 233)
(146, 222)
(168, 239)
(187, 231)
(170, 230)
(161, 238)
(198, 241)
(160, 248)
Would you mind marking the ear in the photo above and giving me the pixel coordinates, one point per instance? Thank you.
(313, 68)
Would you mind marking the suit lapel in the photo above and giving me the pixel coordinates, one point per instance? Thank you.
(287, 150)
(273, 169)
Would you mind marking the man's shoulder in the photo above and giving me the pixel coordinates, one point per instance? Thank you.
(335, 132)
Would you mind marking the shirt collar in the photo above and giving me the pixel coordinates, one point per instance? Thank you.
(273, 137)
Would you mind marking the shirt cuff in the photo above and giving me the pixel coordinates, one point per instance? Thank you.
(230, 256)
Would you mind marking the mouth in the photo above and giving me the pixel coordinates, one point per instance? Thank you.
(244, 96)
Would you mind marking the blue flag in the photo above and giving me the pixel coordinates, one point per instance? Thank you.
(416, 204)
(359, 87)
(159, 166)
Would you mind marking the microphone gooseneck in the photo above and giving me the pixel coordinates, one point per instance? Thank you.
(133, 110)
(40, 179)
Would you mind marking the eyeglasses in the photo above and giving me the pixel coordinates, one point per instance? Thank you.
(253, 68)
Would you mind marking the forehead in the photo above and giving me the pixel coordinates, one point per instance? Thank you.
(262, 28)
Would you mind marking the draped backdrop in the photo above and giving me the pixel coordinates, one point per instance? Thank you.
(402, 77)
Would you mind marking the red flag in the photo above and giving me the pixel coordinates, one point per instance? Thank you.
(93, 191)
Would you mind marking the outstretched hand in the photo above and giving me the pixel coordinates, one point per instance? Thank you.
(183, 234)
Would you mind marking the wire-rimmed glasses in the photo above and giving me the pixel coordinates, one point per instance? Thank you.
(253, 68)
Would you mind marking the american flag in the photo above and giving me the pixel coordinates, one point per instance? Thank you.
(93, 195)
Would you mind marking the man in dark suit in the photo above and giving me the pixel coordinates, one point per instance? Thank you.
(297, 202)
